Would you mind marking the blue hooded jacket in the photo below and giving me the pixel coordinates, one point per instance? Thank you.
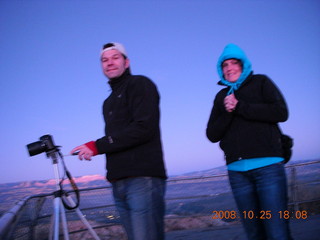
(232, 51)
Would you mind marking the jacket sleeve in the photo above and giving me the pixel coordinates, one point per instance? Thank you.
(143, 103)
(272, 108)
(219, 120)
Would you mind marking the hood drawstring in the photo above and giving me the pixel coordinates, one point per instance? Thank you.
(233, 87)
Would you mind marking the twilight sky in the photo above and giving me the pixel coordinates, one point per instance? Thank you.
(51, 80)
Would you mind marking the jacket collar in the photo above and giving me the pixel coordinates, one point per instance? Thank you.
(115, 83)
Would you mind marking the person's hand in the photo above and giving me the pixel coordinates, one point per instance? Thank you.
(83, 152)
(230, 103)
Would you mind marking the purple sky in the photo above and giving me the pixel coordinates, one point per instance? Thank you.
(52, 83)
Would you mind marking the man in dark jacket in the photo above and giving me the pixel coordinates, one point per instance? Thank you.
(132, 145)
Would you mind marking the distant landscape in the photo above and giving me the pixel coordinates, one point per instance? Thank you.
(180, 186)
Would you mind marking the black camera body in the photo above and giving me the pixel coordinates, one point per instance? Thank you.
(44, 145)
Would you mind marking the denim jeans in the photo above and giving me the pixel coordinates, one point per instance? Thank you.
(141, 205)
(263, 192)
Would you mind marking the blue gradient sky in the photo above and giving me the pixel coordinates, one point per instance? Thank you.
(52, 83)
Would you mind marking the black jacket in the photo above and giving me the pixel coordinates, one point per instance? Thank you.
(251, 130)
(132, 141)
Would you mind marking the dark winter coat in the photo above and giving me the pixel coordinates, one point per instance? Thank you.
(132, 141)
(251, 130)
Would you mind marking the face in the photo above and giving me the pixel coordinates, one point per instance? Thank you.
(231, 69)
(113, 63)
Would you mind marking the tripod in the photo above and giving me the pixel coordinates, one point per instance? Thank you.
(59, 209)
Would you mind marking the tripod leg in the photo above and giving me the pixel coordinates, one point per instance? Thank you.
(83, 219)
(64, 221)
(59, 211)
(56, 220)
(52, 223)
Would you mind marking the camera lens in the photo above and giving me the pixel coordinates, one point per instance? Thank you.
(36, 148)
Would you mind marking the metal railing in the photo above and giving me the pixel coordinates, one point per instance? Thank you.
(199, 196)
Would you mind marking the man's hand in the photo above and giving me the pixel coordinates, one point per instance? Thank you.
(83, 152)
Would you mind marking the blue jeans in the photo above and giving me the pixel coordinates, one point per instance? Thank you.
(262, 192)
(141, 205)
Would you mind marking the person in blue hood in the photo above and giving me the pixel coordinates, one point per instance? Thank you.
(244, 120)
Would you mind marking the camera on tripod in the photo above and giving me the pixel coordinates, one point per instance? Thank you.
(62, 199)
(44, 145)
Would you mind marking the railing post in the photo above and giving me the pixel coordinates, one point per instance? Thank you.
(294, 189)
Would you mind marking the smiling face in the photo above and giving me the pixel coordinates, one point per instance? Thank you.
(113, 63)
(232, 69)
